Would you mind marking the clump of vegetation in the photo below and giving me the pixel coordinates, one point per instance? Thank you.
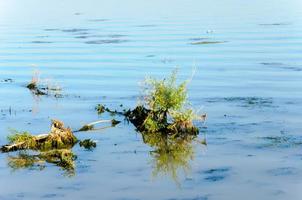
(165, 108)
(100, 108)
(58, 138)
(88, 144)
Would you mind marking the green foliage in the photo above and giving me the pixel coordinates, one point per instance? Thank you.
(16, 137)
(165, 95)
(167, 105)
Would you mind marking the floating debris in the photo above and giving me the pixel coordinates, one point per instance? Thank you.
(90, 126)
(100, 108)
(7, 80)
(87, 144)
(59, 137)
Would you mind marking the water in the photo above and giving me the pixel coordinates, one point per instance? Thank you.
(249, 84)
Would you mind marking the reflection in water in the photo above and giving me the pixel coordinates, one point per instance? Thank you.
(63, 158)
(170, 155)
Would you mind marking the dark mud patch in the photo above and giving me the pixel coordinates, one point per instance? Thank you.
(41, 42)
(207, 42)
(283, 171)
(109, 41)
(216, 174)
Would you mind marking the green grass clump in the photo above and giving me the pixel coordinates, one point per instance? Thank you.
(168, 109)
(16, 137)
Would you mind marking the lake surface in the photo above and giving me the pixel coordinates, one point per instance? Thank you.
(248, 79)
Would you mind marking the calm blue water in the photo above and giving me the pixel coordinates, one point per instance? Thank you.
(248, 80)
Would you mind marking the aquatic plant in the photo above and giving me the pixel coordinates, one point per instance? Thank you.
(164, 108)
(87, 144)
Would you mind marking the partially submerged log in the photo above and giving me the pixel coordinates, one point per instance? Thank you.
(59, 137)
(90, 126)
(140, 115)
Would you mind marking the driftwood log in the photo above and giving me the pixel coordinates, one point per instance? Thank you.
(59, 137)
